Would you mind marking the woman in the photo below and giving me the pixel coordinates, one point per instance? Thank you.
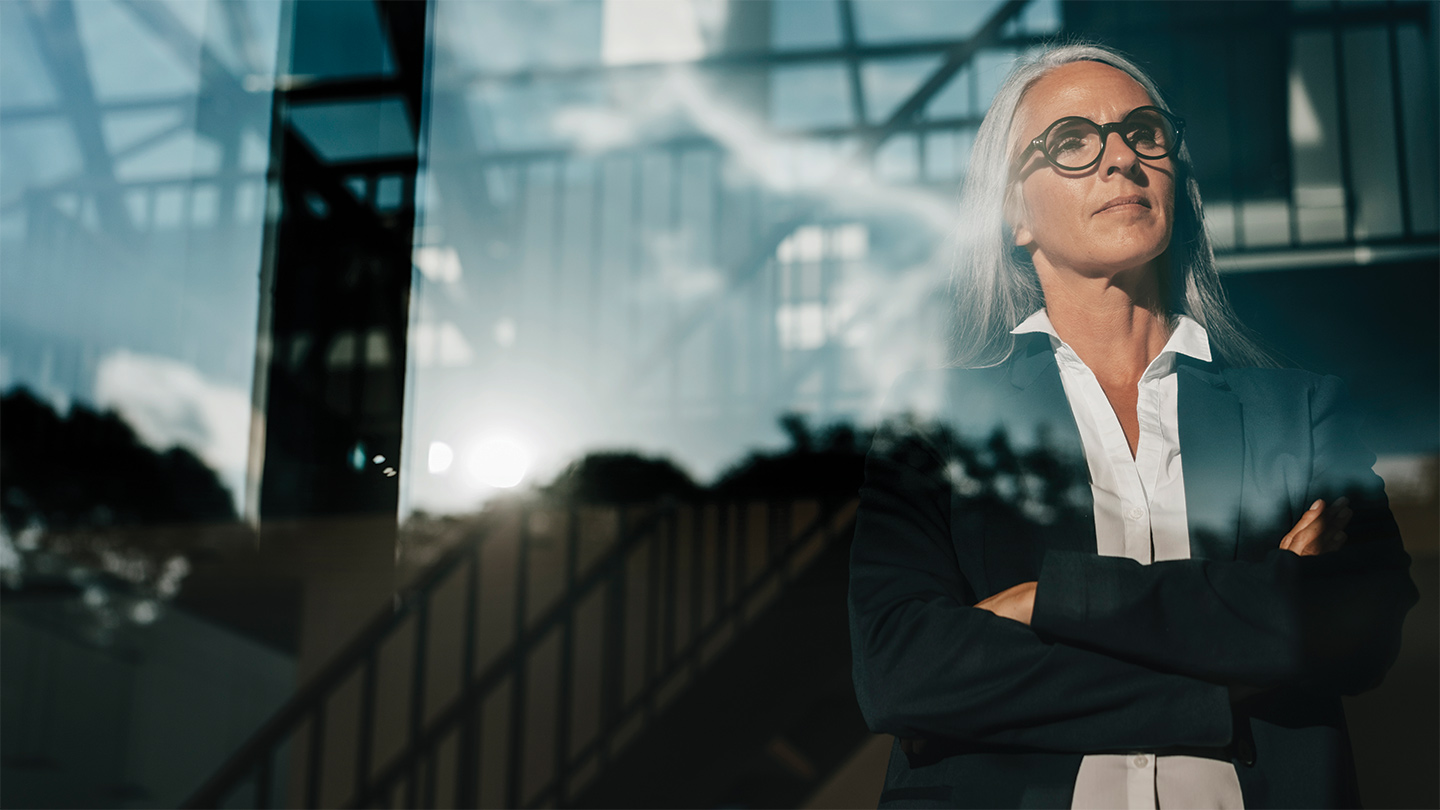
(1169, 635)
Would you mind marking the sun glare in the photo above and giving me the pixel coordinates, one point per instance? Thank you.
(500, 462)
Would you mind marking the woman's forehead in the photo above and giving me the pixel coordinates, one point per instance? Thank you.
(1092, 90)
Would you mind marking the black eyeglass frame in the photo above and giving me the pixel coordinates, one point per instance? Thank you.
(1038, 144)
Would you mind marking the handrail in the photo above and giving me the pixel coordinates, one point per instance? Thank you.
(257, 755)
(446, 719)
(343, 664)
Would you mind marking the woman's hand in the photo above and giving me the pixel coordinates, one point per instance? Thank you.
(1321, 529)
(1016, 602)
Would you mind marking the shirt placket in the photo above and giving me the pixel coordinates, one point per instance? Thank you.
(1134, 505)
(1140, 781)
(1147, 459)
(1135, 479)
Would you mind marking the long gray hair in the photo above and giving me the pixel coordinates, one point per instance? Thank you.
(994, 282)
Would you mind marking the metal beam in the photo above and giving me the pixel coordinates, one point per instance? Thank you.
(852, 61)
(222, 104)
(955, 59)
(904, 117)
(725, 61)
(57, 37)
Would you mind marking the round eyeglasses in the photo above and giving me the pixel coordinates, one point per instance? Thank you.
(1075, 144)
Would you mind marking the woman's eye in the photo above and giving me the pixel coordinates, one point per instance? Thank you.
(1145, 135)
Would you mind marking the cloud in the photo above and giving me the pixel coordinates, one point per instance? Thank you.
(171, 404)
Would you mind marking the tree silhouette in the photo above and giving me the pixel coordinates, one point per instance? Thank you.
(622, 477)
(89, 470)
(830, 462)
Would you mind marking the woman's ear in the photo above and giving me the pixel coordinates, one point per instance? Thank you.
(1017, 217)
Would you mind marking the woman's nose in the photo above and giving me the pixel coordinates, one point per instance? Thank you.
(1119, 157)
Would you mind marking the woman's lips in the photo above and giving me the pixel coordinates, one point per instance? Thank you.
(1130, 199)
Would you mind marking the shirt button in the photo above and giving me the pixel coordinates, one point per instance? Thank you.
(1141, 760)
(1136, 513)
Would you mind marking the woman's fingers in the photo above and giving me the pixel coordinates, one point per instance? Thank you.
(1320, 529)
(1311, 515)
(1316, 509)
(1016, 602)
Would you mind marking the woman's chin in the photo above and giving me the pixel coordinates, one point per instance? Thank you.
(1127, 257)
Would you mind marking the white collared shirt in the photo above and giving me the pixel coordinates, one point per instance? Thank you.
(1140, 514)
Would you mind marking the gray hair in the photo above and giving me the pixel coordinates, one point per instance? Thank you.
(994, 282)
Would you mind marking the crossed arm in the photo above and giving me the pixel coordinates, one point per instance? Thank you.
(1321, 529)
(1117, 654)
(927, 664)
(1322, 610)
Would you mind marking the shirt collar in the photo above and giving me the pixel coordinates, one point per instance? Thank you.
(1189, 337)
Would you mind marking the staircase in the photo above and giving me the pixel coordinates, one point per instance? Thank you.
(677, 654)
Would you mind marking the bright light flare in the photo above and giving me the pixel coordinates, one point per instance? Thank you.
(440, 458)
(500, 462)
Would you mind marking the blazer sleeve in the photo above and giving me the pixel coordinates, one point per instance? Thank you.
(928, 664)
(1328, 623)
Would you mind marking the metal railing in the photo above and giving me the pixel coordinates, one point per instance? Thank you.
(729, 573)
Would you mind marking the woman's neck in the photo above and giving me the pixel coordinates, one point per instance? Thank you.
(1116, 324)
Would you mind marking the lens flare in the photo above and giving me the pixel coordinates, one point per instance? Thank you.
(440, 458)
(500, 462)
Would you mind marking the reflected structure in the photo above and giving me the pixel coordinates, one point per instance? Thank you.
(534, 347)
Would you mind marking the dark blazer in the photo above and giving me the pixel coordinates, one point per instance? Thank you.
(984, 486)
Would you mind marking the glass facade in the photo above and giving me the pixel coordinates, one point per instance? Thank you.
(135, 145)
(665, 254)
(562, 313)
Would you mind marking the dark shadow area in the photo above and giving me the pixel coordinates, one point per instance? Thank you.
(89, 470)
(828, 462)
(1375, 330)
(118, 684)
(89, 508)
(620, 477)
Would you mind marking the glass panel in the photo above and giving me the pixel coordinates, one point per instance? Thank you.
(889, 82)
(804, 24)
(131, 231)
(956, 99)
(503, 36)
(990, 68)
(347, 130)
(23, 78)
(1318, 189)
(1266, 223)
(639, 31)
(1040, 17)
(348, 40)
(897, 160)
(943, 160)
(1220, 224)
(810, 96)
(1422, 129)
(880, 21)
(134, 144)
(1370, 123)
(128, 56)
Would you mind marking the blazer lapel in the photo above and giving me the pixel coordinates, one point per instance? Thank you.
(1212, 447)
(1041, 400)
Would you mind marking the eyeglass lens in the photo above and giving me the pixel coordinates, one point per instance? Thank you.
(1075, 143)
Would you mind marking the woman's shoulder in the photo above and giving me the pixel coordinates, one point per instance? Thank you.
(1251, 379)
(1284, 395)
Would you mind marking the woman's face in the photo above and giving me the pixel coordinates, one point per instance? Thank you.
(1111, 217)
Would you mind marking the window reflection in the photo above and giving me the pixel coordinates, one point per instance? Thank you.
(661, 250)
